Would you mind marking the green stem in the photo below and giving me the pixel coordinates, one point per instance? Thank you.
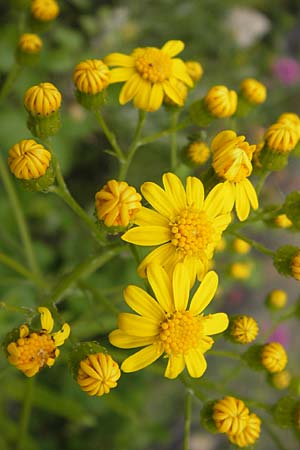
(173, 154)
(9, 81)
(20, 218)
(19, 268)
(110, 136)
(153, 137)
(261, 181)
(224, 353)
(133, 147)
(25, 415)
(187, 418)
(254, 244)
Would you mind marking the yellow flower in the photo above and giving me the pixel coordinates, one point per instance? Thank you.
(254, 91)
(44, 10)
(230, 415)
(184, 225)
(241, 246)
(91, 76)
(182, 89)
(42, 100)
(291, 118)
(167, 325)
(221, 102)
(198, 152)
(117, 203)
(250, 433)
(281, 380)
(282, 137)
(295, 266)
(282, 221)
(241, 271)
(232, 161)
(277, 298)
(30, 43)
(98, 374)
(194, 69)
(27, 159)
(34, 350)
(274, 357)
(150, 74)
(243, 329)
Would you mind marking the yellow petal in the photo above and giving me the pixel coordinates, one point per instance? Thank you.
(174, 190)
(121, 74)
(181, 287)
(142, 303)
(175, 366)
(158, 199)
(147, 235)
(119, 59)
(251, 193)
(173, 93)
(161, 285)
(46, 319)
(179, 71)
(62, 335)
(215, 323)
(24, 331)
(137, 325)
(142, 97)
(242, 204)
(156, 97)
(221, 138)
(146, 216)
(130, 89)
(204, 293)
(218, 200)
(173, 47)
(142, 359)
(195, 363)
(165, 255)
(194, 192)
(122, 340)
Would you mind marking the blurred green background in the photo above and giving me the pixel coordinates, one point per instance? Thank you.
(232, 40)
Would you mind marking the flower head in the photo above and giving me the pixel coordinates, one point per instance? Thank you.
(230, 415)
(249, 434)
(98, 374)
(44, 10)
(30, 43)
(253, 91)
(198, 152)
(91, 76)
(27, 159)
(117, 203)
(274, 357)
(42, 100)
(34, 350)
(291, 118)
(243, 329)
(221, 102)
(150, 74)
(277, 299)
(282, 137)
(168, 324)
(194, 69)
(232, 157)
(184, 225)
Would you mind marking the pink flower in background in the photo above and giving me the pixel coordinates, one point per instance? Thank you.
(282, 335)
(287, 70)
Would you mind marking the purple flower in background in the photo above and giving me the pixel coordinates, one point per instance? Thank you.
(281, 335)
(287, 70)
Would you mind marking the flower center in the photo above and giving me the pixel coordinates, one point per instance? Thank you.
(192, 232)
(35, 349)
(153, 64)
(180, 332)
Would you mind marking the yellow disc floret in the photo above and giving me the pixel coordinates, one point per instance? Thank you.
(230, 415)
(244, 329)
(30, 43)
(42, 100)
(274, 357)
(221, 102)
(44, 10)
(91, 76)
(152, 64)
(254, 91)
(28, 159)
(98, 374)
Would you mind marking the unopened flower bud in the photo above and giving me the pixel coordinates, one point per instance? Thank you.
(273, 357)
(282, 221)
(276, 299)
(253, 91)
(281, 137)
(230, 415)
(44, 10)
(194, 69)
(243, 329)
(281, 380)
(221, 102)
(241, 270)
(241, 246)
(250, 433)
(196, 153)
(287, 261)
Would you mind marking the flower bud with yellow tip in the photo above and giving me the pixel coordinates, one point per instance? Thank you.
(282, 137)
(250, 433)
(44, 10)
(240, 246)
(243, 329)
(282, 221)
(221, 102)
(196, 153)
(194, 69)
(253, 91)
(241, 270)
(273, 357)
(281, 380)
(30, 43)
(287, 261)
(230, 415)
(276, 299)
(290, 118)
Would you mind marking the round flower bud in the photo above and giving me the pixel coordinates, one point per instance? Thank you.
(197, 153)
(253, 91)
(291, 118)
(287, 261)
(30, 43)
(42, 100)
(221, 102)
(277, 299)
(98, 374)
(281, 137)
(282, 221)
(230, 415)
(243, 329)
(273, 357)
(250, 433)
(194, 69)
(295, 266)
(91, 76)
(241, 271)
(117, 203)
(241, 246)
(44, 10)
(27, 159)
(281, 380)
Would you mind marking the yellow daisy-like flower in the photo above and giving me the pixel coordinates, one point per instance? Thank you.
(274, 357)
(30, 43)
(184, 225)
(254, 91)
(221, 102)
(28, 159)
(166, 325)
(117, 203)
(232, 157)
(198, 152)
(230, 415)
(44, 10)
(34, 350)
(194, 69)
(150, 74)
(42, 100)
(98, 374)
(249, 434)
(91, 76)
(243, 329)
(282, 137)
